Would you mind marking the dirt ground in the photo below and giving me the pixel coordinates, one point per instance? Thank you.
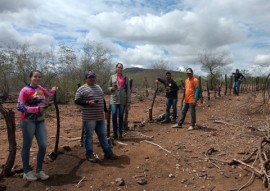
(184, 168)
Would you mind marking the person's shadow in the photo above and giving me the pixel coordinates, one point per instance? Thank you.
(120, 163)
(66, 178)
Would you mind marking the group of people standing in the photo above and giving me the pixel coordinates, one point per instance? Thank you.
(90, 96)
(191, 96)
(31, 104)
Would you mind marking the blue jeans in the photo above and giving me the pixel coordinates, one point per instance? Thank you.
(117, 109)
(185, 108)
(236, 87)
(99, 127)
(29, 130)
(171, 102)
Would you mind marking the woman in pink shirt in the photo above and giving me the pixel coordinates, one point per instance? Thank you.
(120, 99)
(31, 104)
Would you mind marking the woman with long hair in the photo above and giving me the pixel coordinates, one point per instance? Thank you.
(31, 104)
(120, 99)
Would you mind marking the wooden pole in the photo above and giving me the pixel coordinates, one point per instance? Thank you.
(53, 155)
(184, 91)
(200, 86)
(226, 85)
(109, 121)
(126, 110)
(208, 91)
(152, 104)
(231, 85)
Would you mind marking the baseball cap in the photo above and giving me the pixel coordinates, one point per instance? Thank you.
(90, 74)
(189, 71)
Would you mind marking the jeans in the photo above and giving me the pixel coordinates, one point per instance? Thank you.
(117, 109)
(171, 102)
(236, 87)
(99, 127)
(29, 130)
(185, 108)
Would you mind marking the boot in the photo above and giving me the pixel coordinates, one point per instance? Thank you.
(115, 135)
(121, 135)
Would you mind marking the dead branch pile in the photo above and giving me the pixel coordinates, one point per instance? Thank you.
(254, 104)
(257, 162)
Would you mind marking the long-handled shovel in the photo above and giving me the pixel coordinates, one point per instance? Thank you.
(53, 155)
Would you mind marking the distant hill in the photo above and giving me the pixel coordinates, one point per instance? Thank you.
(135, 70)
(139, 75)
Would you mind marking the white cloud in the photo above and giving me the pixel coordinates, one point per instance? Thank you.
(150, 30)
(40, 41)
(8, 34)
(262, 60)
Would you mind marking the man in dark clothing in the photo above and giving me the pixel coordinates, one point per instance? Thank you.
(238, 77)
(171, 95)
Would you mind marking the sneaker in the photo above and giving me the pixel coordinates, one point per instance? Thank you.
(177, 126)
(42, 175)
(165, 121)
(111, 156)
(92, 158)
(191, 128)
(29, 176)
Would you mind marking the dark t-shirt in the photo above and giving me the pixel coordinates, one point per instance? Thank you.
(172, 85)
(238, 76)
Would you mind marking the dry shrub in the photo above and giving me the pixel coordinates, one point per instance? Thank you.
(255, 104)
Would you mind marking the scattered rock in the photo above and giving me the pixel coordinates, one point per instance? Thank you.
(171, 176)
(146, 157)
(119, 182)
(183, 180)
(141, 181)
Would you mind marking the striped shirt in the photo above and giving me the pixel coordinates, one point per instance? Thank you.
(88, 93)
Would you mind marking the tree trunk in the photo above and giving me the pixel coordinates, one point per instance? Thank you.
(9, 116)
(211, 81)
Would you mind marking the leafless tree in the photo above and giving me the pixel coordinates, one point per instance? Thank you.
(213, 62)
(97, 58)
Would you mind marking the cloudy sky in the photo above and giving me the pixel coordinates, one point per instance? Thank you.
(144, 32)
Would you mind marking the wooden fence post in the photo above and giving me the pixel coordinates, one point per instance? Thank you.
(208, 91)
(219, 91)
(201, 92)
(226, 85)
(126, 110)
(231, 85)
(152, 104)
